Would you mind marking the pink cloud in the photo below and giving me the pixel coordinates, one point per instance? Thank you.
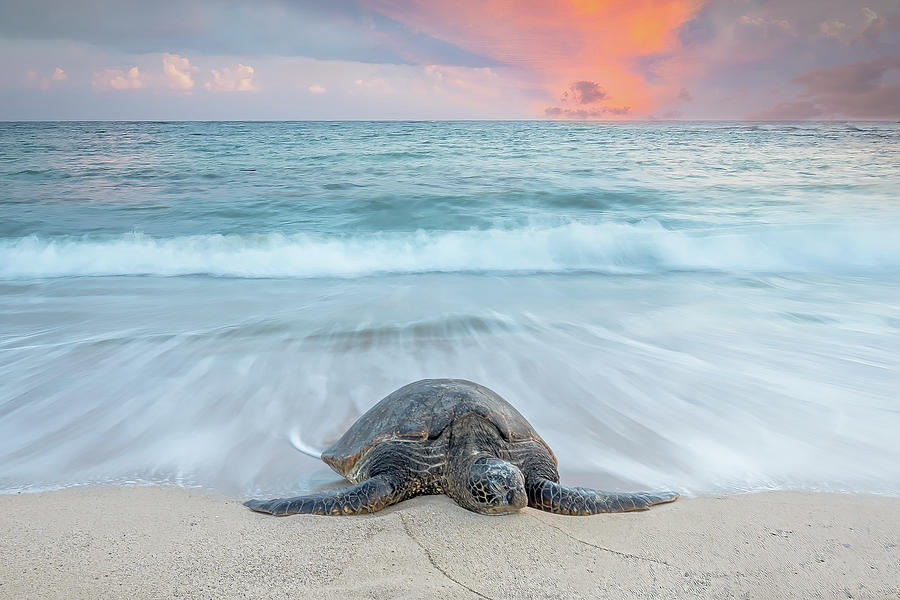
(177, 71)
(378, 83)
(116, 79)
(44, 82)
(178, 74)
(543, 48)
(231, 79)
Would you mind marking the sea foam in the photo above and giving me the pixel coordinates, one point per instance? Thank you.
(611, 247)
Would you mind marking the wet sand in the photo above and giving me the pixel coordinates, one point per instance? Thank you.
(167, 542)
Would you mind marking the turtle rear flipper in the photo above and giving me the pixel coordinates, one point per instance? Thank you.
(552, 497)
(365, 497)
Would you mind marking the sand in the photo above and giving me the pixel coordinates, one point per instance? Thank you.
(167, 542)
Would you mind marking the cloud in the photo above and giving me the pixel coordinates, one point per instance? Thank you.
(332, 30)
(231, 79)
(869, 15)
(611, 58)
(856, 90)
(34, 80)
(749, 51)
(833, 29)
(177, 74)
(377, 83)
(115, 79)
(878, 27)
(317, 89)
(865, 26)
(585, 95)
(848, 79)
(43, 82)
(546, 46)
(598, 112)
(584, 92)
(177, 71)
(784, 25)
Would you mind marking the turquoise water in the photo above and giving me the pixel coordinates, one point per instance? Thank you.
(707, 307)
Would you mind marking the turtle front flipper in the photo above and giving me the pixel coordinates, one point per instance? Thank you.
(552, 497)
(367, 496)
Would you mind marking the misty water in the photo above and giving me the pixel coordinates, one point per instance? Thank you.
(703, 307)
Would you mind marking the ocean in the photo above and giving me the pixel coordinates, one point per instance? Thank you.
(709, 307)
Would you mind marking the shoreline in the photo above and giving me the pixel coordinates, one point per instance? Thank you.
(165, 541)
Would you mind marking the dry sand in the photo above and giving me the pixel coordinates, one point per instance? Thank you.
(165, 542)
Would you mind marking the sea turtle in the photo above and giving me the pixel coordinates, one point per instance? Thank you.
(454, 437)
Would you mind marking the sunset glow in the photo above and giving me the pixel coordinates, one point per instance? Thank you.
(550, 46)
(413, 59)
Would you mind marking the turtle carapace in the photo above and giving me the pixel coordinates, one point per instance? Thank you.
(454, 437)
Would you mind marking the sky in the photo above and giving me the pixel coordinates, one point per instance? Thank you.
(465, 59)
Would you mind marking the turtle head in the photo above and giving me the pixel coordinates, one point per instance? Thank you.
(495, 487)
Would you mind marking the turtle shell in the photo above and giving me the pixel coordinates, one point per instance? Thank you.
(421, 411)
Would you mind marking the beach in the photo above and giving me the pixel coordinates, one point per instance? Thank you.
(705, 307)
(171, 542)
(251, 252)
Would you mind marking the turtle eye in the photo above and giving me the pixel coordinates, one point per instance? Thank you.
(511, 496)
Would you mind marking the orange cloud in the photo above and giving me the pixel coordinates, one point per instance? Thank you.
(555, 45)
(177, 70)
(231, 79)
(44, 82)
(116, 79)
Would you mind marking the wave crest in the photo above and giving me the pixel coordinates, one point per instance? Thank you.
(619, 248)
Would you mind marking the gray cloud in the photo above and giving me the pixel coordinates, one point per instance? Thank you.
(585, 95)
(587, 113)
(881, 30)
(762, 19)
(748, 51)
(338, 29)
(856, 78)
(856, 90)
(584, 92)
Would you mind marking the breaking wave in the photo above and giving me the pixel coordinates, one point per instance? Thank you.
(617, 248)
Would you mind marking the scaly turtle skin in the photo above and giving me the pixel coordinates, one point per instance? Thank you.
(454, 437)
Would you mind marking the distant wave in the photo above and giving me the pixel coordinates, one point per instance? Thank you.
(645, 247)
